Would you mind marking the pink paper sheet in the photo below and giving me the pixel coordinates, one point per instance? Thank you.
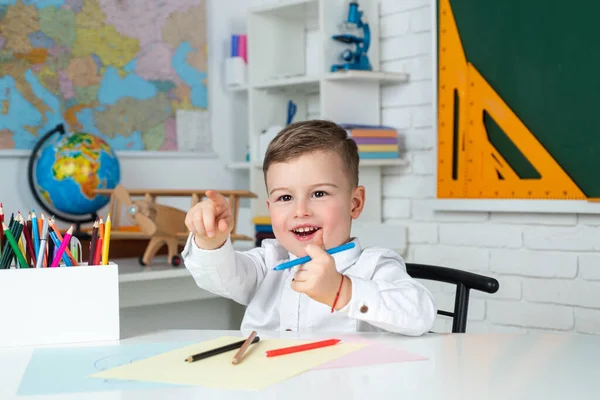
(373, 354)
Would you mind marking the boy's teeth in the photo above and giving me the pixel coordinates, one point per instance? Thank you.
(300, 230)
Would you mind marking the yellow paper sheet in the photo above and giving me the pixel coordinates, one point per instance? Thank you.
(255, 371)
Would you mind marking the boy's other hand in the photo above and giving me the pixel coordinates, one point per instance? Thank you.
(211, 221)
(319, 278)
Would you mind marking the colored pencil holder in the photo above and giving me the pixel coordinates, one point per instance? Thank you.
(235, 71)
(43, 306)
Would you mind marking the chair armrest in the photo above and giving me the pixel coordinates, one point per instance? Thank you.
(455, 276)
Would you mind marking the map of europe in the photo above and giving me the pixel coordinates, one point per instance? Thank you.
(118, 69)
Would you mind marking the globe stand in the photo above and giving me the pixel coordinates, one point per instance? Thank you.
(78, 233)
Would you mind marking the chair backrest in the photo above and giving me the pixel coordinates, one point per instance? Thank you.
(464, 281)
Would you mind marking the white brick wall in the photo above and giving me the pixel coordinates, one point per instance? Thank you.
(548, 265)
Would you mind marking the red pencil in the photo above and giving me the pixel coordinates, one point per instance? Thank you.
(302, 347)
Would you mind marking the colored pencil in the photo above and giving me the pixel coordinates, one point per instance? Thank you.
(56, 243)
(61, 250)
(302, 347)
(219, 350)
(43, 240)
(14, 227)
(106, 240)
(16, 231)
(31, 256)
(238, 356)
(6, 256)
(59, 236)
(93, 243)
(13, 244)
(305, 259)
(50, 248)
(36, 232)
(99, 243)
(1, 231)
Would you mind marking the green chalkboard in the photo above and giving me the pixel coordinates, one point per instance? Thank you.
(543, 58)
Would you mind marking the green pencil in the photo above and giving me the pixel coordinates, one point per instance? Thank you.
(7, 252)
(15, 246)
(8, 257)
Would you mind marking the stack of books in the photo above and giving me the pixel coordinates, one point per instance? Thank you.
(374, 141)
(263, 229)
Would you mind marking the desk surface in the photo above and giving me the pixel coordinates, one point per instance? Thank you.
(467, 366)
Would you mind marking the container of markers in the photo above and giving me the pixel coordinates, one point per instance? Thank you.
(236, 64)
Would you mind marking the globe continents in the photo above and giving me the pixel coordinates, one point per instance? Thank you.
(68, 171)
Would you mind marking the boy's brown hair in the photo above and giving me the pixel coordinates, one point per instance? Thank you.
(306, 137)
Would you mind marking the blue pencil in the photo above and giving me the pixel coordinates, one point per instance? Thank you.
(305, 259)
(57, 242)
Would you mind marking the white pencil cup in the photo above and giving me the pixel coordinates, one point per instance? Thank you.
(42, 306)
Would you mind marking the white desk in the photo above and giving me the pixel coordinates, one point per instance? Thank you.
(534, 366)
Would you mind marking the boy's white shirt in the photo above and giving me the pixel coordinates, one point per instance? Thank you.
(384, 296)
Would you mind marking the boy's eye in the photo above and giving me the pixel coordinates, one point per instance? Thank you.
(319, 193)
(285, 197)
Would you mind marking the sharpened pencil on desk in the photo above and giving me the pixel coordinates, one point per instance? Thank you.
(219, 350)
(302, 347)
(238, 356)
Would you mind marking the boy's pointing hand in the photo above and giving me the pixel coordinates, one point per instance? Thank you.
(211, 221)
(319, 278)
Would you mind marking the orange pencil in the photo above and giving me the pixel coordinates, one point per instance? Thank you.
(40, 222)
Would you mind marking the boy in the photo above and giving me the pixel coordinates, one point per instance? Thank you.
(311, 175)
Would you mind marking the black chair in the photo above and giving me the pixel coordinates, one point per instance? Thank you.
(464, 281)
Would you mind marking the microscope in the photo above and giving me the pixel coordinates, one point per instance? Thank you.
(355, 60)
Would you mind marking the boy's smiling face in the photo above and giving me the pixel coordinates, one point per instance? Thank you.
(309, 193)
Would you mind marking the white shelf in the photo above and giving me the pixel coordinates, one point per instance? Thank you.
(303, 83)
(243, 165)
(369, 76)
(384, 162)
(289, 9)
(517, 206)
(237, 88)
(293, 50)
(150, 274)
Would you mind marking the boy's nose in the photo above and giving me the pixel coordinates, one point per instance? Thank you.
(302, 209)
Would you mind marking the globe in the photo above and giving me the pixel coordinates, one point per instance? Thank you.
(68, 170)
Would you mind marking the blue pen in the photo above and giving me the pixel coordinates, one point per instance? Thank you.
(305, 259)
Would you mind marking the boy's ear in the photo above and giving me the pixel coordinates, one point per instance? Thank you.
(358, 201)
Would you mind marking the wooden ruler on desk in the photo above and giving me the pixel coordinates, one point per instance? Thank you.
(469, 165)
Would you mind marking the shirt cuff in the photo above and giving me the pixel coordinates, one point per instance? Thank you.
(209, 257)
(365, 300)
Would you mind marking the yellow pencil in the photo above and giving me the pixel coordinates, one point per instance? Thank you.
(106, 241)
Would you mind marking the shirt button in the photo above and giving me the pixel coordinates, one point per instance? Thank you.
(364, 309)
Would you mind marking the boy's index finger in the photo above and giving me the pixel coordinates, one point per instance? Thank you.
(217, 198)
